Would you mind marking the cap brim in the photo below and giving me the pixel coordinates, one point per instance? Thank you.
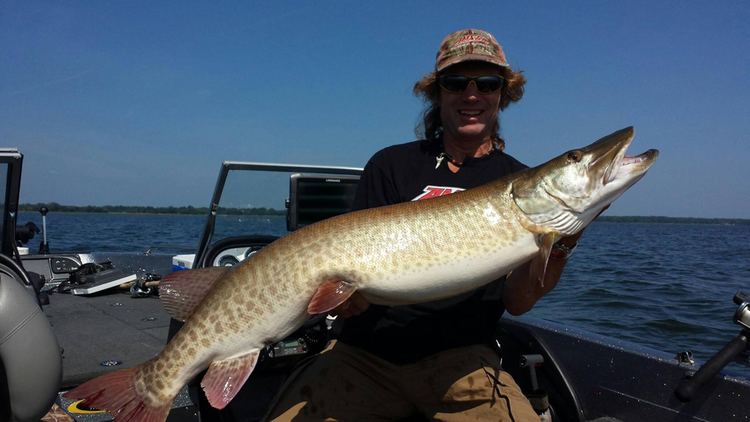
(470, 58)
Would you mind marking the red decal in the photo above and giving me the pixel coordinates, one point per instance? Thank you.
(435, 191)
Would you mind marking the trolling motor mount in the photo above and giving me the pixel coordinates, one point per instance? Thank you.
(732, 351)
(742, 316)
(43, 245)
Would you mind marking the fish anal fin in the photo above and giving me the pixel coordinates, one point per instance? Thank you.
(538, 267)
(329, 295)
(181, 291)
(225, 378)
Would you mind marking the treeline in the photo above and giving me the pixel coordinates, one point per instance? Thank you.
(122, 209)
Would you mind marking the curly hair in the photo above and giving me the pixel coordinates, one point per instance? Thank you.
(431, 126)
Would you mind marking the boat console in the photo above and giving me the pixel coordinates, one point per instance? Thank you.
(55, 268)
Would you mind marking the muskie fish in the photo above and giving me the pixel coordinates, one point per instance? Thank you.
(401, 254)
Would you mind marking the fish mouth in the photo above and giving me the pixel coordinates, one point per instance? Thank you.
(641, 162)
(610, 155)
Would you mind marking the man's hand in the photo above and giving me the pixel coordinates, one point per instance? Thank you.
(355, 305)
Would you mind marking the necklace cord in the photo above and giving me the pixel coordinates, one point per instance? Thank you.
(444, 156)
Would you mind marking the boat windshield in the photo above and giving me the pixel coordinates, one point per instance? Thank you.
(266, 199)
(3, 194)
(252, 203)
(10, 182)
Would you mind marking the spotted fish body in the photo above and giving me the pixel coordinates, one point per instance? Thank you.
(401, 254)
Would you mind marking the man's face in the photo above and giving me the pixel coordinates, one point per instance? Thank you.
(469, 115)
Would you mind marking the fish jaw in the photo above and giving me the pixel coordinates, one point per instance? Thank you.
(565, 194)
(612, 170)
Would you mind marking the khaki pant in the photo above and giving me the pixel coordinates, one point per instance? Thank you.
(346, 384)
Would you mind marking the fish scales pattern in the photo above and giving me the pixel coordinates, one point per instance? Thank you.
(287, 273)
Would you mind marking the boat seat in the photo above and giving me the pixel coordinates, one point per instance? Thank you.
(30, 360)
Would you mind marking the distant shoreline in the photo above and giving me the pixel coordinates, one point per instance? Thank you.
(190, 210)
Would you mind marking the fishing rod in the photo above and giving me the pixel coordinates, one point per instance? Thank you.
(689, 386)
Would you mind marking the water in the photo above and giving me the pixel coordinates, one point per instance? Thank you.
(665, 286)
(83, 232)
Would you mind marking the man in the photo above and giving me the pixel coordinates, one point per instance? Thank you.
(435, 359)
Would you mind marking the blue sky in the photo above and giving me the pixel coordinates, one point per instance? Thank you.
(138, 103)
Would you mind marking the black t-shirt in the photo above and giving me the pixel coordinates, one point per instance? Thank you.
(405, 334)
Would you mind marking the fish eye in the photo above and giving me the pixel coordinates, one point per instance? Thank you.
(575, 156)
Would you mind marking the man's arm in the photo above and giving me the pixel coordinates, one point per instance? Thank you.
(520, 294)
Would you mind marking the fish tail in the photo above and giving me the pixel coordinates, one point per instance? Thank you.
(116, 393)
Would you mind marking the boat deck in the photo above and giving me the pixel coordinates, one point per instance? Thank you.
(105, 332)
(112, 330)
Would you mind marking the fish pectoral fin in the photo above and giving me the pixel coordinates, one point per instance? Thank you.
(538, 266)
(225, 378)
(329, 295)
(181, 291)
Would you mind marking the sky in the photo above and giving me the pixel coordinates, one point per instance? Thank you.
(139, 102)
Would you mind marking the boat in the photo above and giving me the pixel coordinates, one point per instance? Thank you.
(569, 374)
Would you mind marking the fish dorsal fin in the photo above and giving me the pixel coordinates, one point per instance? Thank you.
(225, 378)
(539, 264)
(182, 291)
(329, 295)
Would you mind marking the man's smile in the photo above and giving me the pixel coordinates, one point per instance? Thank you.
(470, 113)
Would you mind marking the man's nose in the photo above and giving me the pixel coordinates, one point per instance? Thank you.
(471, 91)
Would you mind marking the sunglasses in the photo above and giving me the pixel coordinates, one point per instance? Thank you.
(458, 83)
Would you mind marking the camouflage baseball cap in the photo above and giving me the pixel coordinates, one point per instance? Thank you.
(469, 44)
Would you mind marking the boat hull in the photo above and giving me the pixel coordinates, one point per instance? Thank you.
(590, 376)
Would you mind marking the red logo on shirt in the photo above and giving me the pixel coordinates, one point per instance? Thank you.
(430, 191)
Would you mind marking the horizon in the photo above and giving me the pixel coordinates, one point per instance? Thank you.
(141, 102)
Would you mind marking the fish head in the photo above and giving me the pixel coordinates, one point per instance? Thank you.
(566, 193)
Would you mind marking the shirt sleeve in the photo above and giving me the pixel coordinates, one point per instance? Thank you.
(516, 165)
